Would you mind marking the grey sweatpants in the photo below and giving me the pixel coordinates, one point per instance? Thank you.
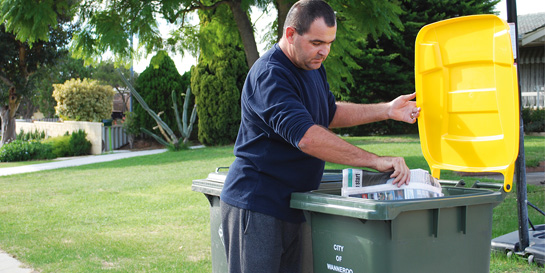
(256, 242)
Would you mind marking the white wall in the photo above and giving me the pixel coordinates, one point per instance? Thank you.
(53, 129)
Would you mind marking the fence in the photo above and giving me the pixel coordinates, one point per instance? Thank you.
(534, 99)
(113, 137)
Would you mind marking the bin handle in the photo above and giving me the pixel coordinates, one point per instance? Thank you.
(219, 168)
(479, 184)
(460, 184)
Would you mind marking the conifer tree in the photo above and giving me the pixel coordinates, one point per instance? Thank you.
(217, 79)
(155, 84)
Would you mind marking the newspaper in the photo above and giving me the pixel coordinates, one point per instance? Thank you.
(377, 186)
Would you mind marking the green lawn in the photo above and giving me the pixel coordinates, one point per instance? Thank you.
(140, 215)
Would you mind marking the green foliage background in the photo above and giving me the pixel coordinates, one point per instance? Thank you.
(217, 80)
(534, 120)
(155, 85)
(371, 60)
(387, 61)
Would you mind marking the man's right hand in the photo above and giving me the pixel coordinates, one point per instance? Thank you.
(401, 174)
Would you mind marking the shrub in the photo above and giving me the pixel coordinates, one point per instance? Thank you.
(59, 145)
(79, 145)
(534, 120)
(74, 144)
(130, 127)
(35, 135)
(129, 124)
(19, 150)
(83, 100)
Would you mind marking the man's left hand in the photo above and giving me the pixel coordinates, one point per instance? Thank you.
(404, 109)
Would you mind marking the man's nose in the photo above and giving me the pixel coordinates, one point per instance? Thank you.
(324, 49)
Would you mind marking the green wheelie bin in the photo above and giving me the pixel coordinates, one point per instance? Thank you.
(211, 187)
(443, 234)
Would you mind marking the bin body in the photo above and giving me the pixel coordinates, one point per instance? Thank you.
(219, 259)
(447, 234)
(212, 186)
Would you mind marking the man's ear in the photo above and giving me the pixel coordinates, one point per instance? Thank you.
(290, 32)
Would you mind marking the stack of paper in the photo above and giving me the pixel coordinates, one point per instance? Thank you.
(365, 184)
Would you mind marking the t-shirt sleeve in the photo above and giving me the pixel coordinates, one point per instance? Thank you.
(276, 102)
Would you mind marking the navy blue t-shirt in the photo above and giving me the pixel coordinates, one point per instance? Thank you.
(280, 102)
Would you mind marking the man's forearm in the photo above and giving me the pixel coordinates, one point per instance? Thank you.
(323, 144)
(351, 114)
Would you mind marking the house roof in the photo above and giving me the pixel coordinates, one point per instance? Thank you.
(530, 22)
(531, 28)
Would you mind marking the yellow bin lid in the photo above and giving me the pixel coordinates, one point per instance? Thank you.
(466, 85)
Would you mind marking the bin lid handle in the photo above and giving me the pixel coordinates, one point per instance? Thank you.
(219, 168)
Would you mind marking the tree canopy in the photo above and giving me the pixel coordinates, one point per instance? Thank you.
(31, 21)
(388, 62)
(33, 35)
(109, 26)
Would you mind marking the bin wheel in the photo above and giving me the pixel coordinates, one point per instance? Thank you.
(509, 254)
(530, 259)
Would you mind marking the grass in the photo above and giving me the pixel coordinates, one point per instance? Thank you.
(132, 215)
(140, 215)
(534, 150)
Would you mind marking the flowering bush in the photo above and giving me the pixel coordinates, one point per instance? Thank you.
(83, 100)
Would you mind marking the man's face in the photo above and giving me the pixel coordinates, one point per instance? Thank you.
(312, 48)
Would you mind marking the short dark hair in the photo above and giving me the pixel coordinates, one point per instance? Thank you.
(304, 12)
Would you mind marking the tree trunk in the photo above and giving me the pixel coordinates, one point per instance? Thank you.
(7, 114)
(246, 32)
(123, 100)
(131, 141)
(282, 6)
(8, 126)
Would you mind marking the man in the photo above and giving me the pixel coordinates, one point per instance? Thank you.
(283, 143)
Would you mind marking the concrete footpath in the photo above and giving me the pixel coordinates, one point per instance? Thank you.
(8, 264)
(76, 161)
